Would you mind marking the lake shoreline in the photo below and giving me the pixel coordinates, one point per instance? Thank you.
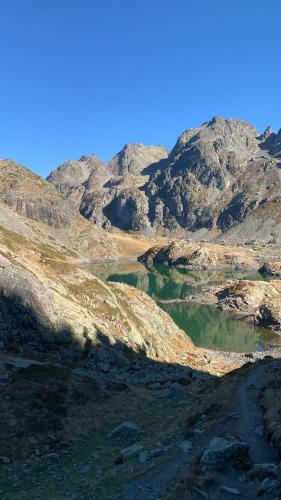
(208, 328)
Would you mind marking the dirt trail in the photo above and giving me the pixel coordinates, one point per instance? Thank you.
(242, 420)
(249, 426)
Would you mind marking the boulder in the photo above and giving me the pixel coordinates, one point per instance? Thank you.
(268, 486)
(131, 451)
(178, 392)
(126, 430)
(222, 451)
(146, 455)
(262, 471)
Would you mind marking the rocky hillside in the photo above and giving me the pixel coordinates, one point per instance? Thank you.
(217, 176)
(30, 206)
(49, 306)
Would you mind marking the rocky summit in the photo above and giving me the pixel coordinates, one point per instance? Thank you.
(222, 178)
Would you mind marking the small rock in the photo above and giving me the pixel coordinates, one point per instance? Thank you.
(221, 450)
(231, 491)
(5, 460)
(259, 430)
(156, 386)
(4, 377)
(146, 455)
(85, 468)
(202, 493)
(131, 451)
(126, 430)
(103, 367)
(185, 446)
(261, 471)
(120, 361)
(268, 485)
(101, 355)
(177, 392)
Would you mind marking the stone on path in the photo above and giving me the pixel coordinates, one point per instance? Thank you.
(126, 430)
(221, 450)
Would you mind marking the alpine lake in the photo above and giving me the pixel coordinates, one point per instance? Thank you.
(206, 325)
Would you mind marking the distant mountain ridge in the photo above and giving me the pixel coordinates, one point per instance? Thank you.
(215, 177)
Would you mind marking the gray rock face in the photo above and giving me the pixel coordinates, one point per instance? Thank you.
(74, 177)
(112, 194)
(211, 177)
(31, 196)
(272, 142)
(134, 158)
(216, 177)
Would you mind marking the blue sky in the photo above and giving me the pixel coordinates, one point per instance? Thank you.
(86, 76)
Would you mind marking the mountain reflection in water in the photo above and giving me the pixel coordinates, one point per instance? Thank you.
(207, 326)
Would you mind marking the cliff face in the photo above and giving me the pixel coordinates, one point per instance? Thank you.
(31, 196)
(32, 207)
(215, 177)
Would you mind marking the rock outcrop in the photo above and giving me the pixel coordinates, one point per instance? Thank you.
(271, 268)
(257, 301)
(202, 256)
(217, 177)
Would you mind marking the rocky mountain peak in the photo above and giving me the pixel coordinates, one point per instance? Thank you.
(74, 173)
(133, 158)
(216, 175)
(271, 142)
(266, 133)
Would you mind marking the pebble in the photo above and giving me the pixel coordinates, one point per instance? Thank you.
(231, 491)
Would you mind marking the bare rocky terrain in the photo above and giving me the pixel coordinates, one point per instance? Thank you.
(221, 180)
(256, 301)
(102, 395)
(193, 255)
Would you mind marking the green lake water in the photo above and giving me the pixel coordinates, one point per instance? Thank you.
(206, 325)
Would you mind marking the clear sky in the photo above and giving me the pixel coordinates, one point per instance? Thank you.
(87, 76)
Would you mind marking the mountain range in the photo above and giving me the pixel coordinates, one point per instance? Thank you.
(220, 180)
